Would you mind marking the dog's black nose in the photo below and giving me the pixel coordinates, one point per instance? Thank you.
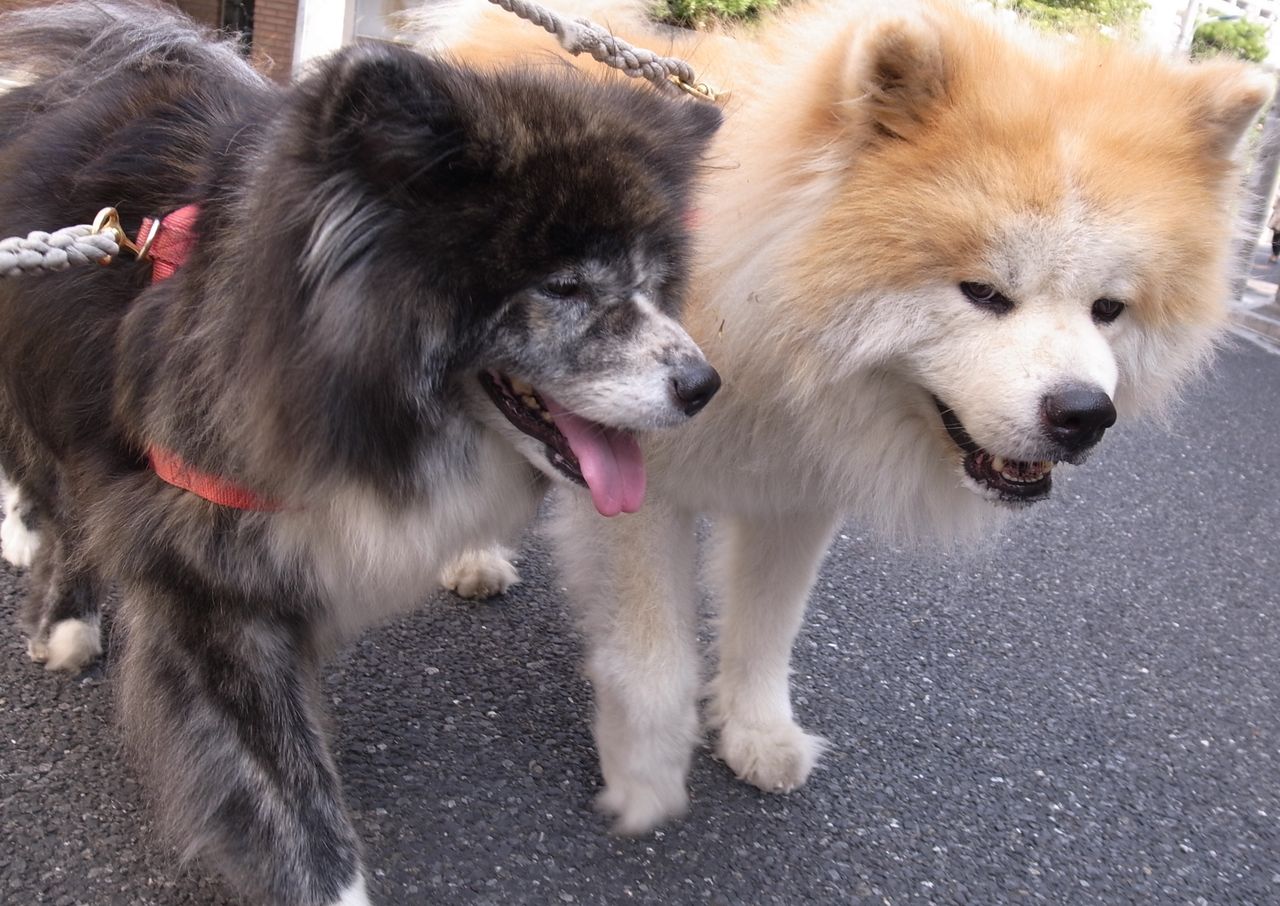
(694, 385)
(1075, 417)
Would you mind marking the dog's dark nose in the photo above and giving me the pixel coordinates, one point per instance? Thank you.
(694, 385)
(1075, 417)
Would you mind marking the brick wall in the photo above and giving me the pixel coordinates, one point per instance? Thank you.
(207, 11)
(274, 26)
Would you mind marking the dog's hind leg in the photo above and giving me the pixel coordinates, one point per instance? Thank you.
(763, 569)
(61, 615)
(632, 581)
(220, 705)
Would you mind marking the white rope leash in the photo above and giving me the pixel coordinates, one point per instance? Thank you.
(43, 252)
(578, 36)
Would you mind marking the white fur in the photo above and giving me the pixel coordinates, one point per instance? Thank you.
(18, 544)
(643, 660)
(480, 573)
(439, 25)
(373, 558)
(764, 570)
(72, 645)
(355, 895)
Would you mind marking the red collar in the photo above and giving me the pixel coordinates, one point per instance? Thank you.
(171, 469)
(170, 244)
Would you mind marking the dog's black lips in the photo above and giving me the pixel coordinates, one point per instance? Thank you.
(529, 420)
(980, 465)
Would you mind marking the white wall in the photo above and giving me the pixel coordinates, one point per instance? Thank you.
(323, 26)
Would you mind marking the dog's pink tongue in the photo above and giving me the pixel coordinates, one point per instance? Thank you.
(610, 459)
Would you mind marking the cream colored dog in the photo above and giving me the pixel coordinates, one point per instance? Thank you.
(939, 255)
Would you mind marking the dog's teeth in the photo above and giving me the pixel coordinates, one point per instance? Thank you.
(1046, 466)
(530, 401)
(546, 417)
(521, 388)
(998, 463)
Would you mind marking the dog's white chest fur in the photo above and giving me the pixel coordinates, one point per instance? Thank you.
(372, 558)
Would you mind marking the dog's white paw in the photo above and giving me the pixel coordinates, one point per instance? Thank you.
(355, 895)
(480, 574)
(18, 544)
(638, 807)
(72, 646)
(776, 757)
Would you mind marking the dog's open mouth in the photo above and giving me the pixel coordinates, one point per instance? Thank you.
(1012, 480)
(606, 460)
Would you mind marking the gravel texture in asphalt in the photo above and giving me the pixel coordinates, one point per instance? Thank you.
(1085, 711)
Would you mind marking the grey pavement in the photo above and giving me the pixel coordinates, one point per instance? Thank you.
(1083, 712)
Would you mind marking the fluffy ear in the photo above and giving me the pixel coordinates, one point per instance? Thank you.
(701, 121)
(389, 113)
(895, 76)
(1227, 97)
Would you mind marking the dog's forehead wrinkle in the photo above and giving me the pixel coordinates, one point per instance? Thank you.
(1072, 255)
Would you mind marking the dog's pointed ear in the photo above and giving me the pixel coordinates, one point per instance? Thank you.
(389, 113)
(1227, 97)
(895, 76)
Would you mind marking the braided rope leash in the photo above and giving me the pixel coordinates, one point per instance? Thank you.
(96, 243)
(578, 36)
(43, 252)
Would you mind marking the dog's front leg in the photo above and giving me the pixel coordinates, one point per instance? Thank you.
(220, 705)
(632, 582)
(763, 570)
(480, 573)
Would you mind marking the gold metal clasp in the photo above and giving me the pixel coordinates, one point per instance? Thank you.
(700, 90)
(108, 222)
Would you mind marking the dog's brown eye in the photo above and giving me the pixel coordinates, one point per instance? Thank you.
(984, 296)
(562, 287)
(1107, 310)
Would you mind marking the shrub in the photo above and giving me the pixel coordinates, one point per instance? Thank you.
(1232, 37)
(692, 13)
(1077, 14)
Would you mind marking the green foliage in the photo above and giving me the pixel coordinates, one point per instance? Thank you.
(1067, 15)
(1232, 37)
(692, 13)
(1073, 15)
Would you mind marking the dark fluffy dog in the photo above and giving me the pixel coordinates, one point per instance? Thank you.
(416, 293)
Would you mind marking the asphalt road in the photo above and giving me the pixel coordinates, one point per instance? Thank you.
(1085, 712)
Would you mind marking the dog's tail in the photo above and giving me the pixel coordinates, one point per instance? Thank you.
(68, 46)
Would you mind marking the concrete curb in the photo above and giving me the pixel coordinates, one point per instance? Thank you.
(1263, 322)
